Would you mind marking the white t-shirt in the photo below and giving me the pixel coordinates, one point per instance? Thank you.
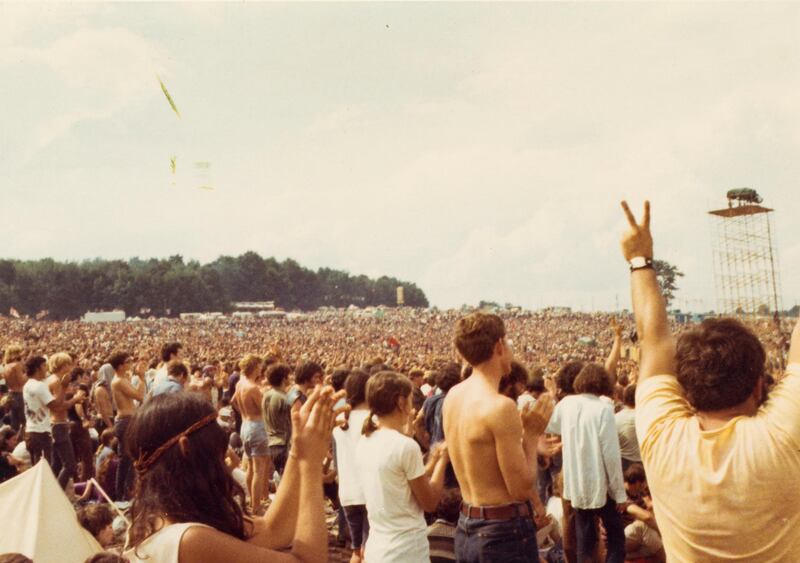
(37, 396)
(387, 460)
(626, 430)
(350, 492)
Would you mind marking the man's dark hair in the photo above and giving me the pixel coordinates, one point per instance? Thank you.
(629, 396)
(448, 377)
(177, 369)
(449, 506)
(635, 474)
(565, 378)
(594, 379)
(95, 517)
(719, 364)
(476, 336)
(33, 364)
(170, 349)
(518, 374)
(306, 371)
(338, 378)
(277, 374)
(117, 359)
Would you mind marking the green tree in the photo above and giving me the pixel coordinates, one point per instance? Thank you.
(667, 275)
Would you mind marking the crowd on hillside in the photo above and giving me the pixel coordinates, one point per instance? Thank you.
(432, 435)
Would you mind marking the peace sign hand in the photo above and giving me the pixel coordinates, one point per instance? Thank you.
(637, 241)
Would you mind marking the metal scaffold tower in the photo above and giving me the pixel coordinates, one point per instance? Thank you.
(745, 262)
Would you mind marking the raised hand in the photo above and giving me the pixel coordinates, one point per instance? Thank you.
(312, 424)
(615, 327)
(637, 241)
(535, 416)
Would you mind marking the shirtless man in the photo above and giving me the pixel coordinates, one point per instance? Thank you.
(247, 401)
(201, 382)
(15, 379)
(101, 395)
(124, 394)
(493, 450)
(64, 464)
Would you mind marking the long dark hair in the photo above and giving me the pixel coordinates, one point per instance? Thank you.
(185, 484)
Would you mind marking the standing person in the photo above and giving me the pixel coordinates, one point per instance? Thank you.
(15, 377)
(188, 507)
(172, 351)
(103, 403)
(626, 428)
(124, 394)
(175, 382)
(248, 401)
(38, 402)
(592, 468)
(397, 485)
(64, 464)
(307, 376)
(417, 377)
(278, 415)
(346, 441)
(79, 423)
(493, 449)
(433, 422)
(721, 457)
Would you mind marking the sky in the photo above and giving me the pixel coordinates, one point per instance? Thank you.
(477, 150)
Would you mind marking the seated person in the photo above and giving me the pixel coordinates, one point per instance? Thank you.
(97, 518)
(642, 539)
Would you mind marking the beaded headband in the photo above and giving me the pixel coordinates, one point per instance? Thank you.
(145, 461)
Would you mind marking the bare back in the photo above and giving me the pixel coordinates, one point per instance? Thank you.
(15, 377)
(470, 414)
(247, 399)
(124, 395)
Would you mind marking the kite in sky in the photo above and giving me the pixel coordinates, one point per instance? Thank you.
(169, 98)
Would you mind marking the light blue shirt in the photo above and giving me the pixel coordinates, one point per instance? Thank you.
(169, 385)
(592, 462)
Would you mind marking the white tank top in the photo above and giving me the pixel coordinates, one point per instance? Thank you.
(161, 547)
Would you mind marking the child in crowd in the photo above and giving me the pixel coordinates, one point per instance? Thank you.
(397, 485)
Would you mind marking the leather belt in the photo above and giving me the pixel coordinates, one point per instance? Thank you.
(502, 512)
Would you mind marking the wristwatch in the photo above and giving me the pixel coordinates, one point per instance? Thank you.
(640, 263)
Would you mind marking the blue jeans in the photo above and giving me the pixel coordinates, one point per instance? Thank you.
(496, 541)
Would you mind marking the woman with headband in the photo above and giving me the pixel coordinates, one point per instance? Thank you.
(187, 508)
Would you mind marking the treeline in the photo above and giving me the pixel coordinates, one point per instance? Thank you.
(164, 287)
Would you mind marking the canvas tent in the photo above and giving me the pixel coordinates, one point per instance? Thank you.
(39, 521)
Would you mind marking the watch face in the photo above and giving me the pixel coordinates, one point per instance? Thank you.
(638, 262)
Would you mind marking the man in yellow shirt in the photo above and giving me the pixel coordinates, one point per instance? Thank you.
(722, 459)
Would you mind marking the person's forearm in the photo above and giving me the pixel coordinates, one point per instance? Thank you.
(437, 478)
(794, 347)
(530, 445)
(649, 307)
(613, 358)
(650, 311)
(278, 525)
(310, 543)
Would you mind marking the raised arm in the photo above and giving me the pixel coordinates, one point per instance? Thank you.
(649, 307)
(613, 356)
(794, 347)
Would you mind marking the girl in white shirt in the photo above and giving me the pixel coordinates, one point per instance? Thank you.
(396, 484)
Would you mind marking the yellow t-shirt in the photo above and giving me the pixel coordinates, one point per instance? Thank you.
(731, 494)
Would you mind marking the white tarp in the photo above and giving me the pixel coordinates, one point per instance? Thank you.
(38, 520)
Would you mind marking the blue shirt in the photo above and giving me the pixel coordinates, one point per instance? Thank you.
(169, 385)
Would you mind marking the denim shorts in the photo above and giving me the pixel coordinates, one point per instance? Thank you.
(254, 438)
(496, 541)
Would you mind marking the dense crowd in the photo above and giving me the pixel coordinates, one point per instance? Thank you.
(432, 435)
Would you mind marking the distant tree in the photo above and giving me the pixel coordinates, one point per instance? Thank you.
(667, 275)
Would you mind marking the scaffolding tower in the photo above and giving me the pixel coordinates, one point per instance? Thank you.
(745, 261)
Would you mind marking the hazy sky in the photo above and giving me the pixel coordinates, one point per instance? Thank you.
(479, 150)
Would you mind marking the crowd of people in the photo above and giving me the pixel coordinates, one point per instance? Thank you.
(471, 436)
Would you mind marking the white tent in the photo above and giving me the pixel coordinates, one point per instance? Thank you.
(39, 521)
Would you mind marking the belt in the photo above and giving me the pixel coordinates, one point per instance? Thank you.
(502, 512)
